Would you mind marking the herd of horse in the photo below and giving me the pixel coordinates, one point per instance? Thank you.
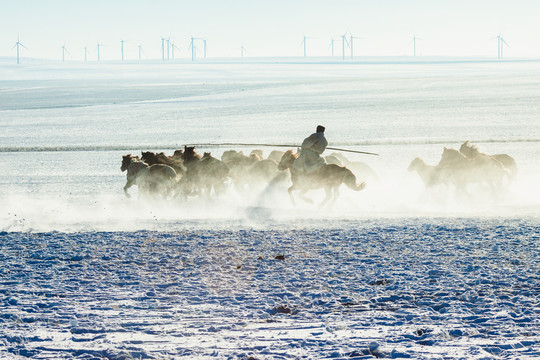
(187, 173)
(466, 166)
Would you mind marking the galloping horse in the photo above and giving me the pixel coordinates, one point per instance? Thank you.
(430, 175)
(152, 159)
(329, 177)
(158, 179)
(464, 171)
(472, 152)
(203, 174)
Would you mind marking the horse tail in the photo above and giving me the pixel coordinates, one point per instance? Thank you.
(350, 180)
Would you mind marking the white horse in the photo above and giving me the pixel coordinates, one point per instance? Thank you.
(482, 170)
(431, 175)
(156, 179)
(472, 152)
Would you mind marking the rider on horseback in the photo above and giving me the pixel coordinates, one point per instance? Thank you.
(313, 146)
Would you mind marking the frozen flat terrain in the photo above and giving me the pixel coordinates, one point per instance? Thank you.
(394, 271)
(415, 288)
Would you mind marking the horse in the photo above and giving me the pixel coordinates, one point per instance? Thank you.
(359, 169)
(152, 159)
(430, 175)
(463, 171)
(328, 176)
(156, 178)
(275, 155)
(203, 173)
(472, 152)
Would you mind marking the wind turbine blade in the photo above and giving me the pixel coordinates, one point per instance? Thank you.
(504, 41)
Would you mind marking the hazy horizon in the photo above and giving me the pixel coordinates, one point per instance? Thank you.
(270, 29)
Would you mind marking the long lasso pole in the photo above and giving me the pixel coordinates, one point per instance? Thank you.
(283, 145)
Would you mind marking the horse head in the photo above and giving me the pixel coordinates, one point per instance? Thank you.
(470, 151)
(126, 160)
(287, 160)
(450, 155)
(415, 164)
(149, 157)
(178, 154)
(190, 154)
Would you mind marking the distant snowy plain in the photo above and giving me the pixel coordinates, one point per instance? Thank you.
(395, 271)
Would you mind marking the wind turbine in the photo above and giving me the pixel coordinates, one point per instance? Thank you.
(168, 47)
(64, 50)
(163, 48)
(140, 51)
(343, 42)
(122, 47)
(351, 44)
(192, 47)
(17, 44)
(332, 44)
(172, 49)
(204, 44)
(500, 45)
(242, 49)
(414, 44)
(85, 52)
(97, 47)
(304, 42)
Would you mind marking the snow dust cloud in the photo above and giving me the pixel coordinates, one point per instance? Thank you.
(391, 191)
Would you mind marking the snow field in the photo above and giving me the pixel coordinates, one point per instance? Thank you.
(391, 288)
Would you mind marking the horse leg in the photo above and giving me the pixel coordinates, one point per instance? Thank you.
(306, 199)
(328, 192)
(290, 191)
(129, 183)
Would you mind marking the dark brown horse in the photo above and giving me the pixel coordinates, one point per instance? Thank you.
(160, 158)
(329, 177)
(203, 173)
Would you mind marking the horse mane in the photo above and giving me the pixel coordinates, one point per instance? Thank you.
(291, 153)
(451, 154)
(470, 151)
(190, 154)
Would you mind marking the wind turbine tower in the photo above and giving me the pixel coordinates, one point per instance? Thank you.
(97, 47)
(304, 42)
(122, 48)
(192, 47)
(85, 52)
(168, 47)
(242, 50)
(17, 44)
(332, 44)
(64, 50)
(173, 46)
(204, 44)
(343, 42)
(351, 44)
(140, 51)
(500, 45)
(163, 48)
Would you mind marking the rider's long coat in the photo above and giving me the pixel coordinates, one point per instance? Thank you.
(310, 159)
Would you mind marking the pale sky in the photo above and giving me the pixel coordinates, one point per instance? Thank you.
(460, 28)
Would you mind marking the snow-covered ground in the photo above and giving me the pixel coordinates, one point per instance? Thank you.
(393, 271)
(405, 288)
